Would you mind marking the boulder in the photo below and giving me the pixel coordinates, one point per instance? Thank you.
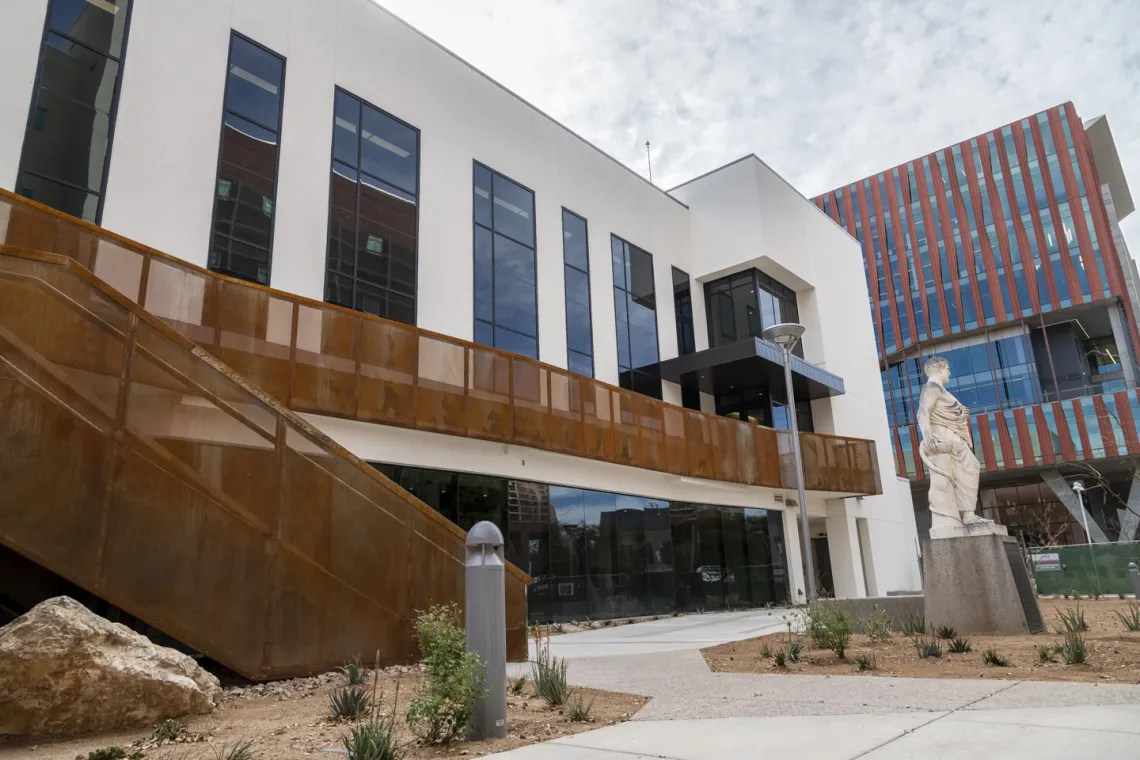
(65, 670)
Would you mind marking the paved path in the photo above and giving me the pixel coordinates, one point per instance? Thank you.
(695, 714)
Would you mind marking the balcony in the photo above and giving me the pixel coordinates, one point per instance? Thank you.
(323, 359)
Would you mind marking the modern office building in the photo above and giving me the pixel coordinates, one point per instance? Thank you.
(1003, 254)
(410, 266)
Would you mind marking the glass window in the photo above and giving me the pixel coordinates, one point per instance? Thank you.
(579, 323)
(242, 236)
(67, 142)
(635, 308)
(373, 218)
(504, 242)
(744, 304)
(683, 311)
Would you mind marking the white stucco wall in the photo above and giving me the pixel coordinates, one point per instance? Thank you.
(20, 35)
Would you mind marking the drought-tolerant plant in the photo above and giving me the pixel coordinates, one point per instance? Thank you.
(1047, 654)
(549, 674)
(1072, 649)
(454, 681)
(991, 657)
(353, 671)
(240, 751)
(795, 650)
(349, 702)
(559, 627)
(878, 625)
(1131, 618)
(863, 662)
(373, 740)
(518, 684)
(959, 645)
(579, 711)
(107, 753)
(1096, 590)
(914, 625)
(1072, 620)
(946, 632)
(765, 651)
(168, 730)
(781, 658)
(926, 648)
(828, 623)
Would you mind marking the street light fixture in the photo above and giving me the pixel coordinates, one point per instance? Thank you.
(786, 335)
(1079, 490)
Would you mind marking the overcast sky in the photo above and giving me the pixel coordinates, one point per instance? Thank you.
(825, 91)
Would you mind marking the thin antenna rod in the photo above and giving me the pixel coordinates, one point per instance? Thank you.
(649, 159)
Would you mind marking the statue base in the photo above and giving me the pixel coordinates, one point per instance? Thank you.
(979, 584)
(960, 530)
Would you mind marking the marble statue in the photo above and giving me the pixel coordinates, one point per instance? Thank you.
(948, 454)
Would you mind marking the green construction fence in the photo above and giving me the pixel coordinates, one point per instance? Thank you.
(1082, 569)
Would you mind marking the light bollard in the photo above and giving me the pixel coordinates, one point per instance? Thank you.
(1134, 576)
(486, 625)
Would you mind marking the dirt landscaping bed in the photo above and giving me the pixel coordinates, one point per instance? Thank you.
(1113, 652)
(291, 719)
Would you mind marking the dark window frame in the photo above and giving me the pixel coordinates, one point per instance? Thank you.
(475, 164)
(328, 227)
(656, 325)
(681, 348)
(276, 162)
(589, 294)
(112, 114)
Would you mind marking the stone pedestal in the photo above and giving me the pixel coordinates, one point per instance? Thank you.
(978, 583)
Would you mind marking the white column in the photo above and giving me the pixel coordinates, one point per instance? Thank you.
(843, 547)
(796, 584)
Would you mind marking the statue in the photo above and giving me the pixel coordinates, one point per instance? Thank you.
(948, 453)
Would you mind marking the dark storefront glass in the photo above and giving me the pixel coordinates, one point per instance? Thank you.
(742, 305)
(604, 555)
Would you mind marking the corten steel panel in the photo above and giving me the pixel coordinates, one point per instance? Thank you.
(927, 214)
(675, 454)
(1127, 422)
(747, 458)
(1020, 233)
(488, 395)
(959, 210)
(872, 265)
(324, 364)
(387, 373)
(1044, 436)
(876, 202)
(441, 399)
(989, 256)
(903, 257)
(1085, 451)
(1021, 141)
(1025, 439)
(597, 420)
(945, 211)
(651, 427)
(566, 429)
(699, 444)
(530, 386)
(1055, 215)
(254, 332)
(1001, 230)
(626, 450)
(768, 456)
(1083, 241)
(725, 463)
(1107, 433)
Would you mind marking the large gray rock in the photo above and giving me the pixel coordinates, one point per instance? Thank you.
(65, 670)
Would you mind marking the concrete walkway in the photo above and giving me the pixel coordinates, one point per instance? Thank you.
(695, 714)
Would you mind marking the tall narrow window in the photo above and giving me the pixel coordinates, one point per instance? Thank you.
(579, 335)
(245, 195)
(371, 264)
(67, 144)
(683, 307)
(506, 296)
(635, 307)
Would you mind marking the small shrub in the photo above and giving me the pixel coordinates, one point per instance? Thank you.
(946, 632)
(1072, 649)
(781, 658)
(927, 648)
(1096, 592)
(863, 662)
(353, 671)
(828, 623)
(1122, 597)
(914, 625)
(107, 753)
(373, 740)
(1131, 618)
(795, 650)
(607, 623)
(879, 624)
(959, 645)
(1047, 654)
(549, 674)
(580, 710)
(349, 702)
(1072, 620)
(765, 651)
(454, 681)
(559, 627)
(991, 657)
(240, 751)
(518, 684)
(168, 730)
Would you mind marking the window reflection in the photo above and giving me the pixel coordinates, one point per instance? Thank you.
(635, 310)
(741, 305)
(576, 254)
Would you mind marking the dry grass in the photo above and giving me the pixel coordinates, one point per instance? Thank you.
(1113, 653)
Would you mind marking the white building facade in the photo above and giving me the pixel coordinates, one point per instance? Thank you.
(478, 217)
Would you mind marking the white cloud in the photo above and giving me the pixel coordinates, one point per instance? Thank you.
(826, 92)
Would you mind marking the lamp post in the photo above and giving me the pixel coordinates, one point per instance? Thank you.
(786, 335)
(1079, 490)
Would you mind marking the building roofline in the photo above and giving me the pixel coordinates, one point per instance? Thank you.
(1108, 165)
(524, 101)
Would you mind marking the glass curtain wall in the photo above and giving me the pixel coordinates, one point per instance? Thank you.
(604, 555)
(741, 305)
(579, 330)
(635, 310)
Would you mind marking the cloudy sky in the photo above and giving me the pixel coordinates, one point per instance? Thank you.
(826, 91)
